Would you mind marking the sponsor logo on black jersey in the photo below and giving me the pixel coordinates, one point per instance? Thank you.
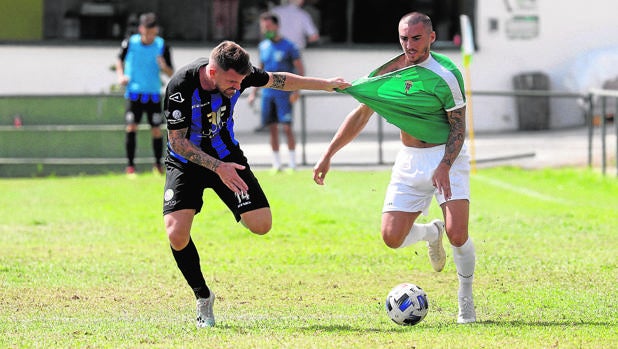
(177, 97)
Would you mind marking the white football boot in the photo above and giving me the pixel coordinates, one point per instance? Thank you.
(437, 255)
(467, 314)
(205, 316)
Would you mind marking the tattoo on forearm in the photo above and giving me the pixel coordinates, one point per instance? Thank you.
(456, 138)
(205, 160)
(213, 164)
(278, 81)
(182, 146)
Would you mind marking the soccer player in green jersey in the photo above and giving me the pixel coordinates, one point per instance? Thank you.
(422, 93)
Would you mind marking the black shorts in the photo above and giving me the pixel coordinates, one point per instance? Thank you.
(138, 104)
(185, 184)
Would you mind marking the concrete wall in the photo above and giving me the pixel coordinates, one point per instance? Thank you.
(569, 43)
(70, 70)
(568, 31)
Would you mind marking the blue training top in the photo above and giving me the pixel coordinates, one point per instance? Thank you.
(278, 56)
(141, 66)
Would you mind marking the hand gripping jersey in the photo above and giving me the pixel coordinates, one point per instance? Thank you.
(414, 98)
(208, 115)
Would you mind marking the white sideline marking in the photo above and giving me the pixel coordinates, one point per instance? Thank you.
(520, 190)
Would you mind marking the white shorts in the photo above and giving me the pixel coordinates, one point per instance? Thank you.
(411, 188)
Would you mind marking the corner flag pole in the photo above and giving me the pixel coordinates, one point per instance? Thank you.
(467, 49)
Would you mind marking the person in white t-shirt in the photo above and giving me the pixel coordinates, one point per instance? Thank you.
(296, 24)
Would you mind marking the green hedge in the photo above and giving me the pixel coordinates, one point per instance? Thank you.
(63, 110)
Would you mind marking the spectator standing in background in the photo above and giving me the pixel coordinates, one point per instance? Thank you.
(141, 59)
(295, 24)
(278, 54)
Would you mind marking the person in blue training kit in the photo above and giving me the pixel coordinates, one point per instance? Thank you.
(203, 152)
(278, 54)
(422, 93)
(141, 59)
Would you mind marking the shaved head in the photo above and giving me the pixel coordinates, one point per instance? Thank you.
(414, 18)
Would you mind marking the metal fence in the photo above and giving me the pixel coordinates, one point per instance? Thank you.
(602, 97)
(59, 116)
(593, 100)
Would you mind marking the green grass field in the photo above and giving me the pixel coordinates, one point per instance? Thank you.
(85, 262)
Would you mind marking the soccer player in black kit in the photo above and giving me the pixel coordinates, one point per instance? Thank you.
(203, 152)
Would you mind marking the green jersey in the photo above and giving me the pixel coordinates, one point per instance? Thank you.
(415, 98)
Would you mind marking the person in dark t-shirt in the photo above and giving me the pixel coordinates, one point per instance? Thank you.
(202, 152)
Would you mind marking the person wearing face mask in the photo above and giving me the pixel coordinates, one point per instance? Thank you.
(277, 53)
(142, 58)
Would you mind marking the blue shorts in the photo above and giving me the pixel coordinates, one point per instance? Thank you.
(276, 108)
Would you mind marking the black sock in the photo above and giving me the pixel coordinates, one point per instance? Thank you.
(130, 144)
(188, 261)
(157, 147)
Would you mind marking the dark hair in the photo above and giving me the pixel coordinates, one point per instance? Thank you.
(270, 16)
(148, 20)
(416, 18)
(229, 55)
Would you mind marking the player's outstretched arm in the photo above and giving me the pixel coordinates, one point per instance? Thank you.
(292, 82)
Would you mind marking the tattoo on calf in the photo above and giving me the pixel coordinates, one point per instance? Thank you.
(278, 81)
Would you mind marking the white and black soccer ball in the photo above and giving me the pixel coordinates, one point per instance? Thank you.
(407, 304)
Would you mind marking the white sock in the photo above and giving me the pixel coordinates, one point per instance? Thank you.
(276, 160)
(419, 232)
(292, 158)
(465, 258)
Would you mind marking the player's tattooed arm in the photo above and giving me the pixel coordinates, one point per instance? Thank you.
(182, 146)
(455, 141)
(278, 81)
(293, 82)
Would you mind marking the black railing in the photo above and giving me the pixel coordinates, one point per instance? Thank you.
(81, 114)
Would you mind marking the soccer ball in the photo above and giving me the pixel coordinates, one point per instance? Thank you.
(407, 304)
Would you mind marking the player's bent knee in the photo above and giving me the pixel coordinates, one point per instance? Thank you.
(258, 228)
(178, 241)
(261, 229)
(391, 240)
(178, 228)
(257, 221)
(392, 244)
(457, 239)
(178, 237)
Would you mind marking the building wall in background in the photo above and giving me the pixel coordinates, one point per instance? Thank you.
(21, 20)
(513, 37)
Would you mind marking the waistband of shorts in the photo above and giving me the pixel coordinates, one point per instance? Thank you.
(415, 150)
(437, 148)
